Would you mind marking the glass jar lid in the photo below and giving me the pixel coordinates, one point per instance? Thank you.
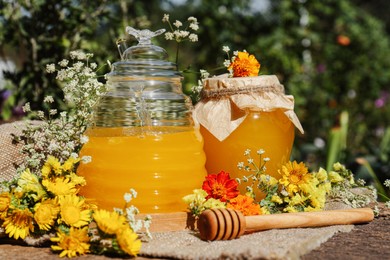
(144, 58)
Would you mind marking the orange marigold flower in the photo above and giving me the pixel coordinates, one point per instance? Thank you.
(245, 65)
(343, 40)
(245, 204)
(220, 186)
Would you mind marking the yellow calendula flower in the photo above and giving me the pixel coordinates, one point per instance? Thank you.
(51, 164)
(73, 244)
(46, 213)
(294, 175)
(128, 241)
(334, 177)
(214, 204)
(276, 199)
(109, 222)
(29, 182)
(73, 212)
(244, 65)
(19, 223)
(322, 175)
(60, 186)
(69, 164)
(76, 179)
(5, 201)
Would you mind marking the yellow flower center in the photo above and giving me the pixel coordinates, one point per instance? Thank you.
(219, 190)
(294, 178)
(71, 214)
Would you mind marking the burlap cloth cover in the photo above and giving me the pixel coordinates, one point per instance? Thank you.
(226, 101)
(272, 244)
(9, 153)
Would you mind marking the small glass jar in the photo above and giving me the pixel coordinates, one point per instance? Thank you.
(143, 136)
(252, 113)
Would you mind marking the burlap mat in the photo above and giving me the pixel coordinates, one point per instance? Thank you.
(271, 244)
(9, 153)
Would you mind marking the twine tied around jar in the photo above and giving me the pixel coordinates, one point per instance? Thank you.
(227, 101)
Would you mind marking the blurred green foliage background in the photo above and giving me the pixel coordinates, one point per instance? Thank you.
(332, 55)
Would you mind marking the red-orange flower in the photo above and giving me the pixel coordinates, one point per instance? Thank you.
(245, 204)
(220, 186)
(244, 65)
(343, 40)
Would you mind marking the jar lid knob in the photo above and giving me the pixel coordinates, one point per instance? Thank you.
(143, 36)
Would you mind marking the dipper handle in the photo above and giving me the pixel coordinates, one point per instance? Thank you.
(225, 224)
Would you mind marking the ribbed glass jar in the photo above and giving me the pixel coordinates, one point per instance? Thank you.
(143, 136)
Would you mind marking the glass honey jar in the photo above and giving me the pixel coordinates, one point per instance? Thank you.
(237, 114)
(143, 135)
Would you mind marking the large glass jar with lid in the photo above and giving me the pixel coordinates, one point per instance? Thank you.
(143, 136)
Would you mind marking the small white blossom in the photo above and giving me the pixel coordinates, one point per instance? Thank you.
(26, 108)
(93, 65)
(204, 74)
(240, 165)
(178, 24)
(41, 114)
(387, 183)
(247, 152)
(226, 49)
(63, 63)
(192, 19)
(260, 151)
(169, 36)
(128, 197)
(227, 63)
(48, 99)
(53, 112)
(50, 68)
(165, 18)
(194, 26)
(84, 139)
(86, 159)
(266, 159)
(250, 160)
(193, 37)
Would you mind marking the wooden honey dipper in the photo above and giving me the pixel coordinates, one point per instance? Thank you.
(225, 224)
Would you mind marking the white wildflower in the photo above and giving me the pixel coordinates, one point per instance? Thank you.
(63, 63)
(53, 112)
(204, 74)
(250, 160)
(266, 159)
(387, 183)
(165, 18)
(169, 36)
(48, 99)
(240, 165)
(193, 37)
(26, 108)
(178, 24)
(260, 151)
(192, 19)
(128, 197)
(84, 139)
(41, 114)
(50, 68)
(247, 152)
(226, 49)
(86, 159)
(93, 65)
(227, 63)
(194, 26)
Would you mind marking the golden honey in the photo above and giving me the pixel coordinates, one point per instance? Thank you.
(271, 131)
(161, 166)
